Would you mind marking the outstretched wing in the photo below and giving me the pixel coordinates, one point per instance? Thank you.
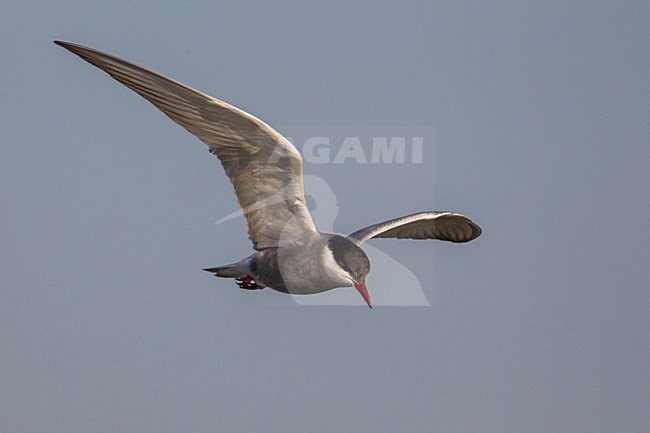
(445, 226)
(264, 168)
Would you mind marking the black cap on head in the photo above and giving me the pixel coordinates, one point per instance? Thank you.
(349, 257)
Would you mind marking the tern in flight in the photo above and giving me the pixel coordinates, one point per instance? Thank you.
(266, 170)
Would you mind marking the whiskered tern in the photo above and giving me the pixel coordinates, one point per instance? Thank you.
(266, 170)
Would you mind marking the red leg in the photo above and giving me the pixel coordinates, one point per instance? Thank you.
(248, 283)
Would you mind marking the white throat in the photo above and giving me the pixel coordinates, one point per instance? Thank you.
(335, 273)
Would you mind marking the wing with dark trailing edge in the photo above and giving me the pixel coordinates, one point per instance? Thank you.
(264, 168)
(444, 226)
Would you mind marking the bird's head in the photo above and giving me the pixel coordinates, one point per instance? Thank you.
(353, 262)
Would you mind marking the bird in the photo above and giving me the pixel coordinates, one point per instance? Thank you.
(266, 171)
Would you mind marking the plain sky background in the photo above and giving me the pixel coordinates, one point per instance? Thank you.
(540, 111)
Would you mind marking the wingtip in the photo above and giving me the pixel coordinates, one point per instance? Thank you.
(476, 230)
(75, 48)
(67, 45)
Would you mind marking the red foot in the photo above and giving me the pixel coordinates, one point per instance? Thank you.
(247, 283)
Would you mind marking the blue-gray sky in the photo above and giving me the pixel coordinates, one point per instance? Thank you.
(540, 112)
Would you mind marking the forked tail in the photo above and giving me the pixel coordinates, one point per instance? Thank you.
(233, 270)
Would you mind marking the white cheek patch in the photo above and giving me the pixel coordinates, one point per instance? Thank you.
(332, 268)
